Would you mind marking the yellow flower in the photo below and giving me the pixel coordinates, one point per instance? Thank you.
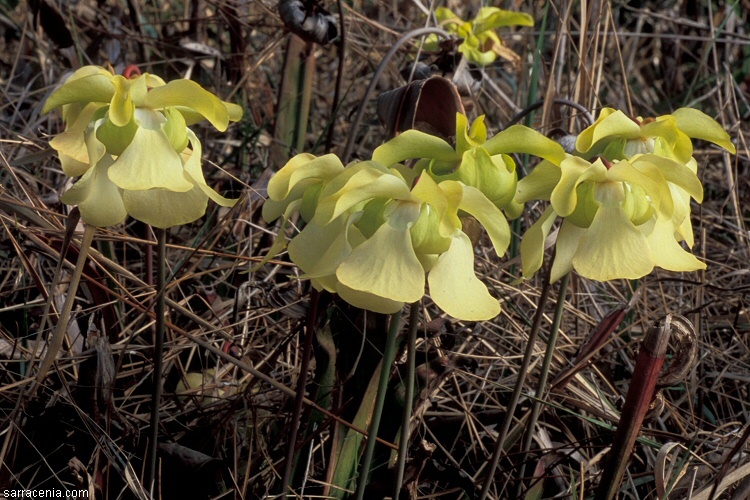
(481, 45)
(616, 136)
(475, 161)
(373, 233)
(128, 140)
(620, 218)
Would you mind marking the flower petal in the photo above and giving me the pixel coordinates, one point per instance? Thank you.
(385, 265)
(97, 87)
(303, 167)
(357, 183)
(368, 301)
(668, 253)
(610, 123)
(538, 185)
(98, 199)
(699, 125)
(612, 247)
(413, 144)
(319, 250)
(194, 171)
(164, 208)
(521, 139)
(455, 288)
(533, 243)
(150, 162)
(121, 108)
(566, 246)
(492, 219)
(70, 144)
(188, 94)
(574, 171)
(489, 18)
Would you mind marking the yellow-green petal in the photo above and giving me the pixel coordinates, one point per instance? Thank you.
(612, 248)
(150, 162)
(610, 123)
(489, 216)
(358, 183)
(192, 166)
(303, 167)
(521, 139)
(533, 243)
(385, 265)
(121, 107)
(98, 199)
(319, 250)
(566, 246)
(413, 144)
(538, 185)
(455, 288)
(189, 94)
(489, 18)
(698, 125)
(668, 253)
(93, 88)
(164, 208)
(368, 301)
(574, 171)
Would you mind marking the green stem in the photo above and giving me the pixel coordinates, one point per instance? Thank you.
(161, 250)
(403, 445)
(389, 355)
(542, 386)
(520, 380)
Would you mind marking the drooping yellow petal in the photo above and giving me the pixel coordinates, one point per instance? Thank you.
(698, 125)
(369, 301)
(613, 248)
(98, 199)
(574, 171)
(194, 171)
(358, 183)
(319, 250)
(70, 144)
(303, 167)
(489, 18)
(668, 253)
(188, 94)
(533, 243)
(96, 87)
(413, 144)
(122, 106)
(521, 139)
(386, 264)
(538, 185)
(648, 177)
(176, 129)
(164, 208)
(566, 246)
(455, 288)
(489, 216)
(610, 123)
(150, 162)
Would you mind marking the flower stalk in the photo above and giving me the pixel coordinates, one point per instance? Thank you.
(389, 356)
(160, 328)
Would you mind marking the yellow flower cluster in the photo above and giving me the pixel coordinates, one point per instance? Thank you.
(624, 197)
(375, 229)
(128, 140)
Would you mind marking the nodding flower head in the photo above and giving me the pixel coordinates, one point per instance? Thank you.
(127, 137)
